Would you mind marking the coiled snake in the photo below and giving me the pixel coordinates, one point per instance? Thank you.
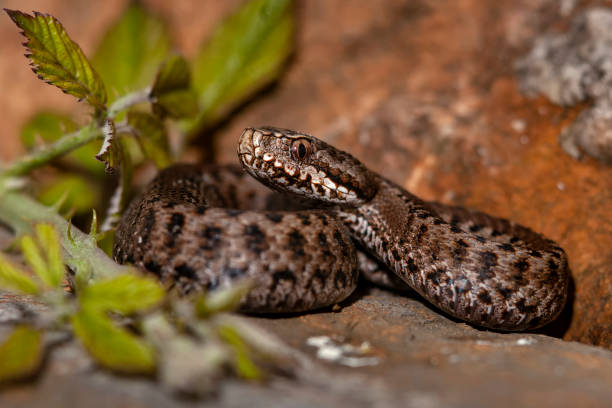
(201, 228)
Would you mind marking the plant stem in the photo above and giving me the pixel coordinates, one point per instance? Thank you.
(71, 141)
(49, 152)
(20, 212)
(126, 101)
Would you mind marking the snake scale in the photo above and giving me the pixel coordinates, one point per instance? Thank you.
(206, 227)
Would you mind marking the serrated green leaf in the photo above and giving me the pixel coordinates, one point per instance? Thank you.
(13, 279)
(223, 300)
(20, 354)
(44, 257)
(171, 93)
(131, 50)
(151, 136)
(112, 346)
(49, 127)
(80, 195)
(124, 294)
(243, 364)
(58, 60)
(246, 51)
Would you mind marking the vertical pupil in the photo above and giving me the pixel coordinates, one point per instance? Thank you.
(301, 151)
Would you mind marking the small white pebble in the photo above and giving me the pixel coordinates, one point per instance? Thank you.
(560, 185)
(356, 362)
(329, 353)
(525, 341)
(519, 125)
(318, 341)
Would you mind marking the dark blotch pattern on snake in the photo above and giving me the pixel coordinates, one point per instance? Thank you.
(204, 228)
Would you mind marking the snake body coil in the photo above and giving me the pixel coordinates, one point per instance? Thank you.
(204, 228)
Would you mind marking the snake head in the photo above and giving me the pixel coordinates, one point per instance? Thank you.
(301, 164)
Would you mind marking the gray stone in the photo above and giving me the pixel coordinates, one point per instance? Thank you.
(424, 360)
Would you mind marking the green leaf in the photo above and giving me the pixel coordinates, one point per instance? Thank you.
(48, 264)
(223, 300)
(13, 279)
(111, 346)
(20, 354)
(83, 272)
(50, 243)
(49, 127)
(124, 294)
(106, 240)
(171, 92)
(131, 50)
(34, 258)
(182, 103)
(58, 60)
(243, 364)
(263, 69)
(79, 194)
(151, 136)
(246, 52)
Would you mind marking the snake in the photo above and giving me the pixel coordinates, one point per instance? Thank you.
(301, 219)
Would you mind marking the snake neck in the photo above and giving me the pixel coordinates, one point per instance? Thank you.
(504, 284)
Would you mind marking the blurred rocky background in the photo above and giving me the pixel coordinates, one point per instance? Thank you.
(428, 93)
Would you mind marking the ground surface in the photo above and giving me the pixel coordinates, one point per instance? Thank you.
(424, 92)
(424, 360)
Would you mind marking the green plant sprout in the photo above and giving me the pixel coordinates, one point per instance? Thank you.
(137, 89)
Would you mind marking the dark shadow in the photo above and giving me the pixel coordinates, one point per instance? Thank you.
(359, 292)
(556, 328)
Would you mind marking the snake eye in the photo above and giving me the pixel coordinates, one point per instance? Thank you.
(301, 149)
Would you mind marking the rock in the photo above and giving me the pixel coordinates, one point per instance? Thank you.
(573, 67)
(426, 94)
(420, 359)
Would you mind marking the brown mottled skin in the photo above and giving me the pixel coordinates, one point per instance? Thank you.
(200, 228)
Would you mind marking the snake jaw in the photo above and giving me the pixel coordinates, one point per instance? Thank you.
(301, 164)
